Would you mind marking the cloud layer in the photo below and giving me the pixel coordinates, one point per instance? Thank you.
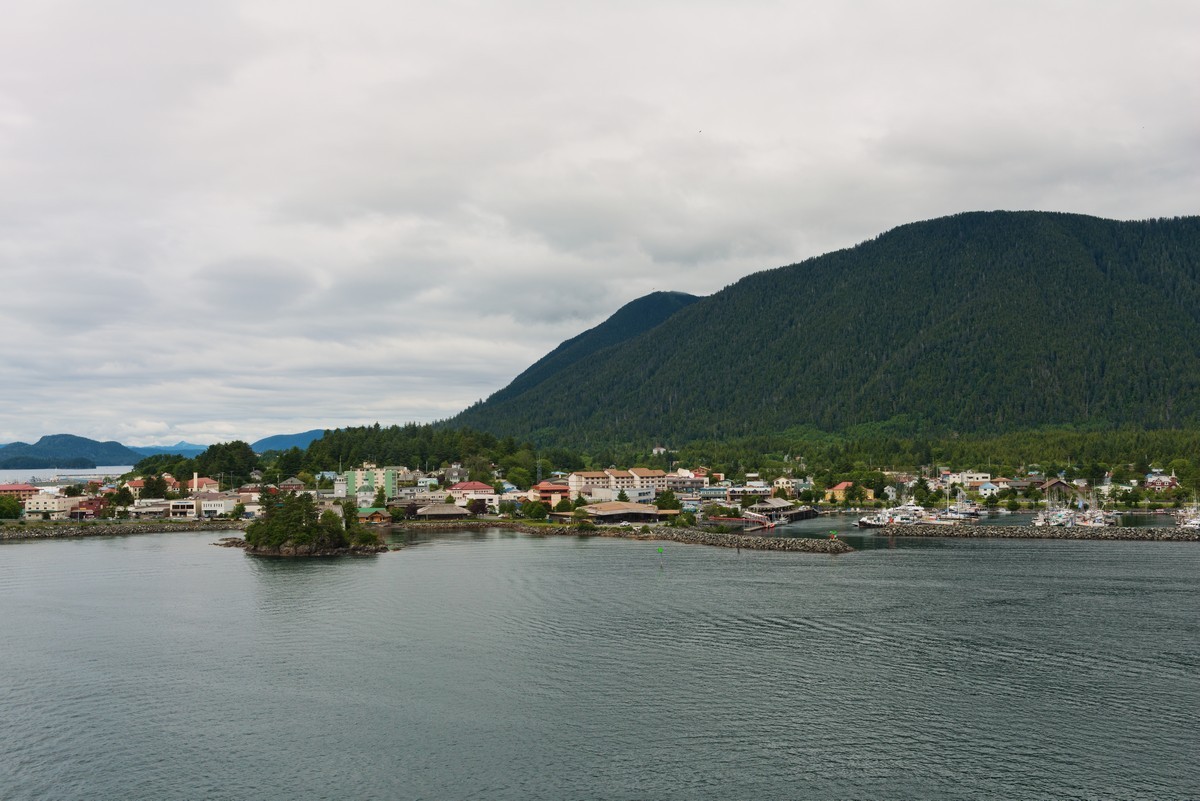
(233, 219)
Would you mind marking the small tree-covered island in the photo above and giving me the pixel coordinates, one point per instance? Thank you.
(291, 525)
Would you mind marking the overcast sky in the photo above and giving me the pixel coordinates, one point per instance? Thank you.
(224, 220)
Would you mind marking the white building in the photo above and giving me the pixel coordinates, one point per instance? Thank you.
(644, 477)
(580, 481)
(184, 509)
(632, 494)
(48, 505)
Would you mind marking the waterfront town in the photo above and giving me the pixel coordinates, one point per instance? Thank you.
(612, 496)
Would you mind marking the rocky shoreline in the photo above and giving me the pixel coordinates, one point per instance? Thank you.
(1143, 534)
(48, 531)
(300, 550)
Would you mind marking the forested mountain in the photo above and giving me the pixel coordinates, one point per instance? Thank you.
(982, 322)
(65, 450)
(635, 317)
(281, 442)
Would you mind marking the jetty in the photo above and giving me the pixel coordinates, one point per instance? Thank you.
(1131, 533)
(11, 531)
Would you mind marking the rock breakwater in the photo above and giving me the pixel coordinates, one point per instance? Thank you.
(1142, 533)
(48, 531)
(697, 536)
(685, 536)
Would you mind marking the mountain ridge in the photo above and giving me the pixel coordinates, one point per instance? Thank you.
(634, 318)
(65, 450)
(981, 321)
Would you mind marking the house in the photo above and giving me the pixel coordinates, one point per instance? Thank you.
(374, 515)
(1157, 482)
(292, 484)
(965, 478)
(838, 492)
(203, 484)
(1057, 488)
(456, 474)
(785, 483)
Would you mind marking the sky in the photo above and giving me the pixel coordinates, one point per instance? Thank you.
(226, 220)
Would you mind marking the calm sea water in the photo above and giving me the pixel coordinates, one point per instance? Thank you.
(48, 474)
(498, 666)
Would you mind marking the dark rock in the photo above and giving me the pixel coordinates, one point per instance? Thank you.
(1145, 534)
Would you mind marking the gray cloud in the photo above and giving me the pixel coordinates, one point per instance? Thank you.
(248, 217)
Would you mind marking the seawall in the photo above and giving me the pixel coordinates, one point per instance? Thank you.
(1145, 534)
(696, 536)
(684, 536)
(48, 531)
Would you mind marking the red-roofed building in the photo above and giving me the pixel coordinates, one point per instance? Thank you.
(203, 484)
(22, 492)
(1157, 482)
(550, 493)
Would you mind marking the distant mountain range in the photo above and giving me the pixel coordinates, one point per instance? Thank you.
(182, 448)
(66, 451)
(283, 442)
(978, 322)
(71, 452)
